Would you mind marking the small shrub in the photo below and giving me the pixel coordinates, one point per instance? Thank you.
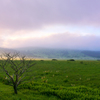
(65, 80)
(54, 59)
(41, 60)
(71, 60)
(81, 62)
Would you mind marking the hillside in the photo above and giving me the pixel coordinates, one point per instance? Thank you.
(46, 53)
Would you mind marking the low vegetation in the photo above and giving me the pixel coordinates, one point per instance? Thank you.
(57, 80)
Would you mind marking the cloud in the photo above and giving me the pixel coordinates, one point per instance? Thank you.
(1, 41)
(22, 20)
(64, 41)
(35, 14)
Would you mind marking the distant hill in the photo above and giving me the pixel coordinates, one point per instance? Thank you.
(6, 50)
(45, 53)
(59, 53)
(92, 53)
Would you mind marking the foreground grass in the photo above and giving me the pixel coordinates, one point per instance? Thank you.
(58, 80)
(6, 93)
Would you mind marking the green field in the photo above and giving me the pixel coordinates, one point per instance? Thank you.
(57, 80)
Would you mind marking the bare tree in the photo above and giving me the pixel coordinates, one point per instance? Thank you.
(18, 68)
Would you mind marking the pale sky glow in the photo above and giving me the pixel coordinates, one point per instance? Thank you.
(73, 24)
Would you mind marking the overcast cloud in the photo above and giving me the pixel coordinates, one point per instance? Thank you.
(64, 40)
(24, 17)
(31, 14)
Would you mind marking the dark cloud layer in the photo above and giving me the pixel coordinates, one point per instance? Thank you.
(33, 14)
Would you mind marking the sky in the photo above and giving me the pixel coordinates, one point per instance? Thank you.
(64, 24)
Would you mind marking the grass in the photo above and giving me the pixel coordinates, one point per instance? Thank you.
(57, 80)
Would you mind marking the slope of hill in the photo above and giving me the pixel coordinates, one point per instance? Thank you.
(46, 53)
(6, 50)
(92, 53)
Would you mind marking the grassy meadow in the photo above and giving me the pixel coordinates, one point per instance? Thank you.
(56, 80)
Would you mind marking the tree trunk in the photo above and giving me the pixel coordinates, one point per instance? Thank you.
(15, 88)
